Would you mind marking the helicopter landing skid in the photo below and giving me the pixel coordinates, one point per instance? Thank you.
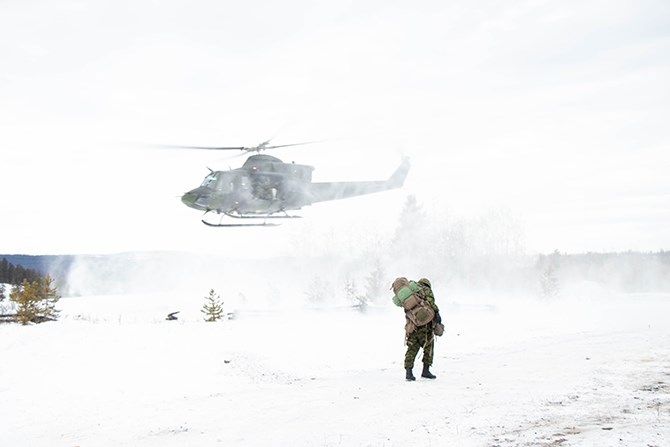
(263, 224)
(248, 224)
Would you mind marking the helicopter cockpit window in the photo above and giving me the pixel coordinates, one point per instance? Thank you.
(210, 180)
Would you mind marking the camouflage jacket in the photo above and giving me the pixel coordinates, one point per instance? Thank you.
(427, 293)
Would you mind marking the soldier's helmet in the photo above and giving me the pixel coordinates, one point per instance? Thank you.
(425, 282)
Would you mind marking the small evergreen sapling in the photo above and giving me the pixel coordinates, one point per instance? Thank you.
(213, 307)
(549, 282)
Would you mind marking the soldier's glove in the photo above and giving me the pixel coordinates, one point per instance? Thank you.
(437, 318)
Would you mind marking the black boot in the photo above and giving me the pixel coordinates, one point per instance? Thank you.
(408, 375)
(426, 373)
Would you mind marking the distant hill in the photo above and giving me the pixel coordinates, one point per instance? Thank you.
(138, 272)
(274, 277)
(57, 266)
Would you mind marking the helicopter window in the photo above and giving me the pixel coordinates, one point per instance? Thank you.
(225, 182)
(242, 183)
(210, 180)
(264, 187)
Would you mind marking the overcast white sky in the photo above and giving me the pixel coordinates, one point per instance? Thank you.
(556, 111)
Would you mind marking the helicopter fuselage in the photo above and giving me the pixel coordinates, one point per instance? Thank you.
(266, 186)
(263, 185)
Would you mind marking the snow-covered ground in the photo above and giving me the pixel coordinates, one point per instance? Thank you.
(112, 371)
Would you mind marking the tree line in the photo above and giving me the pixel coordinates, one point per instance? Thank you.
(16, 274)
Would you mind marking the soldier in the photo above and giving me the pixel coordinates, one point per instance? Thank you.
(421, 337)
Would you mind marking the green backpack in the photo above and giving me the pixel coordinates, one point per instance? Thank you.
(408, 295)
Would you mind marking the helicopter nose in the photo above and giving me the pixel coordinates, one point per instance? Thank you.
(191, 198)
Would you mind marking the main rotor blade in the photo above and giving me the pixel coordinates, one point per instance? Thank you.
(287, 145)
(208, 148)
(258, 148)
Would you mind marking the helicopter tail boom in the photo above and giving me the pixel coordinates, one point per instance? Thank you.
(397, 179)
(320, 192)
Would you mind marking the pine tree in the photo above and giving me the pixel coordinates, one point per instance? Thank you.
(213, 307)
(351, 292)
(49, 298)
(376, 283)
(412, 218)
(36, 301)
(2, 292)
(549, 279)
(317, 290)
(549, 282)
(4, 270)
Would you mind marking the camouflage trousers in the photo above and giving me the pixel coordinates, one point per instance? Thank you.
(421, 337)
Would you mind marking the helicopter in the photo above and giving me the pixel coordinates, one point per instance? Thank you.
(267, 188)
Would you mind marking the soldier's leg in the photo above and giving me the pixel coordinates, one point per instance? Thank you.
(413, 346)
(428, 350)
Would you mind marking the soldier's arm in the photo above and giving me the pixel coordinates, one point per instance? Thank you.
(428, 292)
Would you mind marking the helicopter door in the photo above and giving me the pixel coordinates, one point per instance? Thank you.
(224, 183)
(242, 184)
(264, 187)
